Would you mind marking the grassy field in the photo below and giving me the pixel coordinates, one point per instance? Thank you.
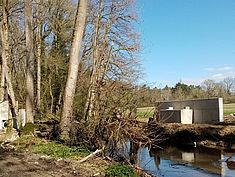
(229, 108)
(144, 113)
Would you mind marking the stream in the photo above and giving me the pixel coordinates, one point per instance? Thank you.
(184, 162)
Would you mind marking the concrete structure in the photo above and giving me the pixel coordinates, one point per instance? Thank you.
(4, 114)
(191, 111)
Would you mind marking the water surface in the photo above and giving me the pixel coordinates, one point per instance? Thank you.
(187, 162)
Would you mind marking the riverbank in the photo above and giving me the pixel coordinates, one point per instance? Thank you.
(33, 156)
(220, 136)
(36, 157)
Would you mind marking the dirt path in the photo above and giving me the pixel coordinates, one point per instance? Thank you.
(14, 164)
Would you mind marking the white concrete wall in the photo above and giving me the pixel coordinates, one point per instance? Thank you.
(186, 116)
(4, 113)
(204, 110)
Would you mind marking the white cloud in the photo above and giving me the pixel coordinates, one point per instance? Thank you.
(219, 75)
(193, 81)
(216, 69)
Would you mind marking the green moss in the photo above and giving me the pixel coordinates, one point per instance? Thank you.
(55, 149)
(119, 170)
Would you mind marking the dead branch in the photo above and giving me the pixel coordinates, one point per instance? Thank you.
(90, 155)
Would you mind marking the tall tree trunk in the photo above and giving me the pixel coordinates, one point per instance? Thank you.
(90, 106)
(69, 92)
(2, 86)
(4, 33)
(39, 51)
(29, 62)
(101, 59)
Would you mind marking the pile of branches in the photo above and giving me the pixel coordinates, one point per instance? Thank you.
(111, 132)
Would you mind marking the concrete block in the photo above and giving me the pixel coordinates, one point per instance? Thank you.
(186, 116)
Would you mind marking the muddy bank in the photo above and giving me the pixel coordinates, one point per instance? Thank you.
(216, 136)
(24, 163)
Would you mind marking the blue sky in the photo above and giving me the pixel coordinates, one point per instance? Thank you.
(186, 40)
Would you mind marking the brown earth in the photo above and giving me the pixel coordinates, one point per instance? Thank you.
(27, 164)
(221, 135)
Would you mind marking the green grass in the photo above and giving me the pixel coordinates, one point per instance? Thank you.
(229, 108)
(50, 148)
(144, 113)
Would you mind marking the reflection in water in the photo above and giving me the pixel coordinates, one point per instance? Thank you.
(156, 158)
(133, 152)
(175, 162)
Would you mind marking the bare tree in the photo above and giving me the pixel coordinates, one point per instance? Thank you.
(93, 90)
(114, 44)
(67, 109)
(229, 84)
(39, 50)
(212, 88)
(29, 61)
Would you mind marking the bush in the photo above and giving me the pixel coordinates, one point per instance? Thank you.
(119, 170)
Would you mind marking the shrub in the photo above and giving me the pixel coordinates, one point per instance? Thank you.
(119, 170)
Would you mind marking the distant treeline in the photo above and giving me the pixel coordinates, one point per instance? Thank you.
(147, 96)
